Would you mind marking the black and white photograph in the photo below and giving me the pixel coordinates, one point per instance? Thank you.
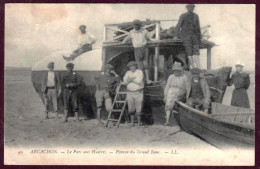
(129, 84)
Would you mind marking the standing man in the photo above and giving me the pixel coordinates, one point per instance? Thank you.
(188, 28)
(241, 83)
(85, 41)
(134, 81)
(70, 83)
(139, 37)
(50, 88)
(175, 89)
(198, 92)
(106, 85)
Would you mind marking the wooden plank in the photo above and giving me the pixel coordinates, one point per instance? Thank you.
(117, 30)
(209, 58)
(104, 34)
(103, 59)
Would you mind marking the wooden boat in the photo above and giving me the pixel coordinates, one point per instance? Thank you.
(226, 127)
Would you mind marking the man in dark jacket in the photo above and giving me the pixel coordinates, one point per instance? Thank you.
(241, 82)
(198, 92)
(70, 83)
(50, 88)
(188, 29)
(106, 85)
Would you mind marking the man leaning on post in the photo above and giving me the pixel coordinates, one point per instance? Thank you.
(50, 88)
(70, 83)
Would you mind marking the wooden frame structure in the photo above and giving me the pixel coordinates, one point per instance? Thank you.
(114, 42)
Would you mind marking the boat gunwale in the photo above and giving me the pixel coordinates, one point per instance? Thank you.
(251, 127)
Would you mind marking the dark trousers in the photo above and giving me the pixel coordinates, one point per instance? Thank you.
(200, 102)
(70, 98)
(81, 50)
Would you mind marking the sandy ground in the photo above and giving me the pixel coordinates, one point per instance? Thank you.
(25, 125)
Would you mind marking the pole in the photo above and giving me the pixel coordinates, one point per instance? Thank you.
(209, 58)
(156, 55)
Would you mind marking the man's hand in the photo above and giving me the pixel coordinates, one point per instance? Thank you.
(67, 85)
(130, 79)
(113, 72)
(44, 94)
(175, 38)
(59, 92)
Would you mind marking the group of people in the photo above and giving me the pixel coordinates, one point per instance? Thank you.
(189, 86)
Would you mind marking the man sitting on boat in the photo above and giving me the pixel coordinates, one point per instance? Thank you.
(175, 89)
(134, 81)
(189, 29)
(85, 41)
(139, 37)
(241, 82)
(105, 85)
(198, 92)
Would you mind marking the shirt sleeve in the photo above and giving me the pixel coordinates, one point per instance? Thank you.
(125, 78)
(93, 37)
(139, 77)
(247, 82)
(230, 81)
(178, 26)
(80, 39)
(128, 37)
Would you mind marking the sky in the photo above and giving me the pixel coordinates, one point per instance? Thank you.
(34, 31)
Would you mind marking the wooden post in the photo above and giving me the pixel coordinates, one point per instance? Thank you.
(104, 34)
(156, 55)
(209, 58)
(103, 58)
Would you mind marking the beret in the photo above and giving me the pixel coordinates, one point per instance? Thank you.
(70, 65)
(132, 63)
(109, 66)
(82, 26)
(195, 71)
(51, 64)
(137, 22)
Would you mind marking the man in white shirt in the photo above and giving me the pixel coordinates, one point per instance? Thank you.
(134, 81)
(85, 41)
(50, 88)
(139, 37)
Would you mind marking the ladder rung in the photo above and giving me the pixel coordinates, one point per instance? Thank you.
(116, 110)
(121, 92)
(120, 101)
(115, 120)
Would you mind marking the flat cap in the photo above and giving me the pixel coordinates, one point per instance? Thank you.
(239, 63)
(109, 66)
(51, 64)
(82, 26)
(132, 63)
(195, 71)
(190, 5)
(137, 22)
(176, 66)
(70, 65)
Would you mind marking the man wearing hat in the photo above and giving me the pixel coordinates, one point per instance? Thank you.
(106, 84)
(175, 89)
(50, 87)
(241, 83)
(135, 84)
(198, 92)
(188, 29)
(139, 37)
(70, 83)
(85, 41)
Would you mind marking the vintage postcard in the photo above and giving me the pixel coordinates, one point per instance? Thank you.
(129, 84)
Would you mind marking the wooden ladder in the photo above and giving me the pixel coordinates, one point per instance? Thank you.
(119, 105)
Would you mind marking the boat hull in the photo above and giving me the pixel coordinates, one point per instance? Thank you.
(220, 134)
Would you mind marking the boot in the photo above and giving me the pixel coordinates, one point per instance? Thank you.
(46, 115)
(139, 120)
(66, 115)
(191, 62)
(133, 120)
(77, 116)
(168, 114)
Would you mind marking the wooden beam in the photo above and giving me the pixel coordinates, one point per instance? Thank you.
(156, 56)
(104, 34)
(209, 58)
(118, 30)
(103, 59)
